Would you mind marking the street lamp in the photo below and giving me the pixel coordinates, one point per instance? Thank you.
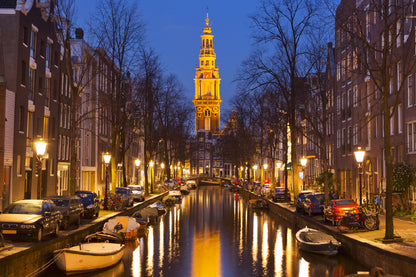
(278, 165)
(359, 157)
(152, 176)
(162, 165)
(265, 170)
(303, 162)
(107, 158)
(137, 162)
(254, 171)
(40, 146)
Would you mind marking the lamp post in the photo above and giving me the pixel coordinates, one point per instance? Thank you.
(137, 162)
(107, 158)
(162, 165)
(254, 172)
(152, 176)
(40, 146)
(303, 162)
(265, 166)
(278, 165)
(241, 172)
(359, 157)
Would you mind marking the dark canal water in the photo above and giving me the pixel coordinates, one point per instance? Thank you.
(213, 234)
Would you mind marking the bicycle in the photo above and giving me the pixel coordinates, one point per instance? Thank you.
(361, 220)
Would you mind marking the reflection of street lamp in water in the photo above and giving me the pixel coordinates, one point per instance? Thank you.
(40, 152)
(107, 158)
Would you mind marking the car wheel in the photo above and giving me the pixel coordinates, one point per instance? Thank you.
(39, 235)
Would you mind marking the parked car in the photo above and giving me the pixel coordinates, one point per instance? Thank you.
(71, 208)
(30, 219)
(300, 198)
(125, 195)
(90, 201)
(336, 209)
(314, 203)
(280, 194)
(138, 192)
(266, 190)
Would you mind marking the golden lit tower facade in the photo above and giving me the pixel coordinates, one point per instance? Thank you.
(207, 98)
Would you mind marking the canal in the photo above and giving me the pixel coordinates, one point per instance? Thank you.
(214, 234)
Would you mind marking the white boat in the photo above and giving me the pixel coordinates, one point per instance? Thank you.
(88, 256)
(315, 241)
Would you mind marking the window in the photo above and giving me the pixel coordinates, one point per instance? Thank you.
(19, 165)
(47, 55)
(410, 94)
(31, 83)
(391, 121)
(33, 40)
(25, 36)
(398, 26)
(29, 125)
(355, 96)
(399, 119)
(399, 75)
(21, 118)
(47, 91)
(207, 113)
(411, 137)
(45, 127)
(23, 73)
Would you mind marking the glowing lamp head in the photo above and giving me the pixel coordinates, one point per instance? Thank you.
(40, 147)
(359, 155)
(255, 167)
(162, 165)
(279, 165)
(107, 158)
(151, 164)
(303, 161)
(265, 166)
(137, 162)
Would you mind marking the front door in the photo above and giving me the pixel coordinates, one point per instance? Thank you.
(28, 184)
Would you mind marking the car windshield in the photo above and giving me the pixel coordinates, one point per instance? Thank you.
(319, 197)
(85, 195)
(61, 202)
(344, 202)
(122, 191)
(24, 208)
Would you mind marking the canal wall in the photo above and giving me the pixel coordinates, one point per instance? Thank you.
(27, 261)
(364, 251)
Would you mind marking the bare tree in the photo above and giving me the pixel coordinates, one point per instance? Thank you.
(282, 26)
(117, 30)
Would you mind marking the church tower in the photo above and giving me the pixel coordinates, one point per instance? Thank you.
(207, 98)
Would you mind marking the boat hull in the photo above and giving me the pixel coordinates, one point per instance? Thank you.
(89, 257)
(314, 241)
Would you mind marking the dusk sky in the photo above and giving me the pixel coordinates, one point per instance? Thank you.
(173, 30)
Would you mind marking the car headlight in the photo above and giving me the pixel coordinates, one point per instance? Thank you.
(27, 226)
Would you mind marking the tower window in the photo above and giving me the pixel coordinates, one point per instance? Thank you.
(207, 113)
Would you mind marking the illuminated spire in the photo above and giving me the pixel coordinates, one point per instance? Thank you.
(207, 28)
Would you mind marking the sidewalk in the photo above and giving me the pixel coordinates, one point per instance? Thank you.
(405, 229)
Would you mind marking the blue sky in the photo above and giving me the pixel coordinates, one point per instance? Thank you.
(173, 30)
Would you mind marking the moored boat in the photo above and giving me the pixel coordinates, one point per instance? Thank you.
(88, 256)
(126, 226)
(316, 241)
(258, 204)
